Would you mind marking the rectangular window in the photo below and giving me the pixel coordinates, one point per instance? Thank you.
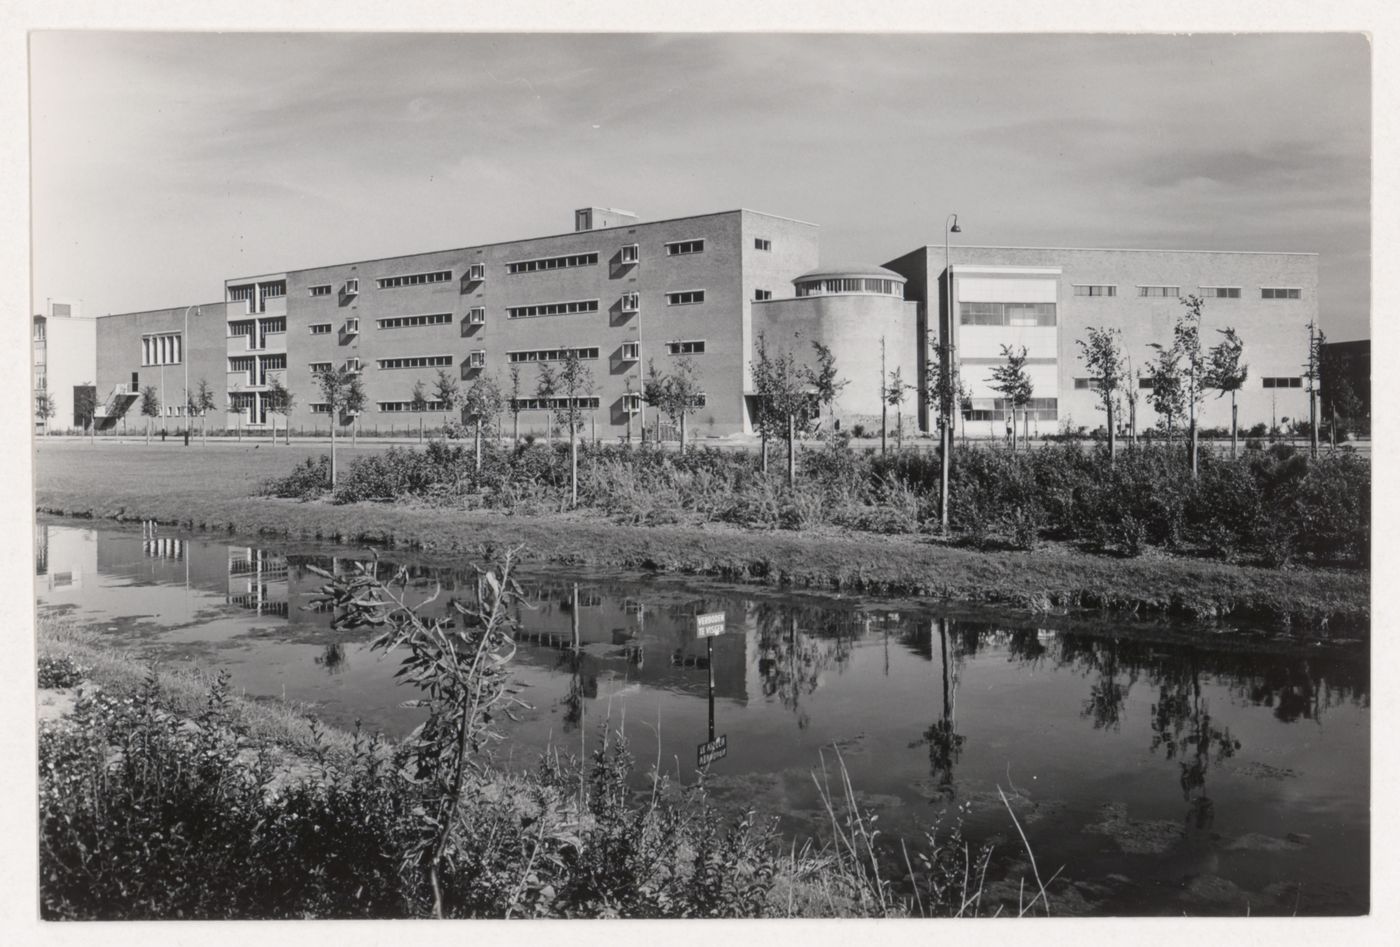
(552, 309)
(631, 253)
(551, 355)
(1159, 291)
(553, 263)
(631, 351)
(1095, 290)
(274, 325)
(1039, 409)
(320, 328)
(318, 367)
(1220, 292)
(760, 295)
(274, 290)
(405, 322)
(632, 402)
(416, 361)
(240, 293)
(1086, 384)
(320, 407)
(476, 316)
(1295, 382)
(477, 359)
(415, 279)
(1275, 292)
(760, 243)
(1007, 314)
(1145, 383)
(631, 302)
(392, 406)
(687, 298)
(685, 348)
(476, 272)
(684, 247)
(324, 290)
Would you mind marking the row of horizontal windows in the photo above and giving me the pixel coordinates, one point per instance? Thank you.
(416, 361)
(320, 328)
(278, 324)
(415, 279)
(822, 287)
(553, 263)
(1092, 384)
(552, 309)
(322, 290)
(552, 355)
(682, 247)
(551, 404)
(318, 367)
(696, 347)
(404, 322)
(247, 291)
(391, 406)
(1007, 314)
(1209, 292)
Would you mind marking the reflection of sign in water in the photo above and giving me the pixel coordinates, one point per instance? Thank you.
(709, 625)
(707, 753)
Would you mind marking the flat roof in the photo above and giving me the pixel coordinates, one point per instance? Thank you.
(550, 236)
(978, 246)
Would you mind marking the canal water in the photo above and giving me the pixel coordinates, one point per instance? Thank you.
(1159, 773)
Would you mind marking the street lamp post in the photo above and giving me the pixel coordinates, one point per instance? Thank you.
(185, 357)
(950, 226)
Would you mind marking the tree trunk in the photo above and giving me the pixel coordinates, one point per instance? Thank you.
(515, 428)
(658, 430)
(332, 451)
(792, 451)
(1026, 427)
(573, 468)
(1112, 435)
(883, 425)
(945, 461)
(148, 429)
(287, 432)
(355, 432)
(478, 445)
(420, 428)
(1332, 432)
(1312, 420)
(763, 452)
(1234, 426)
(682, 433)
(898, 429)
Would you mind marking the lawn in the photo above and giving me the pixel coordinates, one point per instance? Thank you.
(212, 487)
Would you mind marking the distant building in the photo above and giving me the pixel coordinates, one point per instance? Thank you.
(626, 294)
(64, 349)
(1350, 362)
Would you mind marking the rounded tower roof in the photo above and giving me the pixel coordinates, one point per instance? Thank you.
(844, 270)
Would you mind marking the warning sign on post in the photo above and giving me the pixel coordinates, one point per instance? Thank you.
(707, 753)
(709, 625)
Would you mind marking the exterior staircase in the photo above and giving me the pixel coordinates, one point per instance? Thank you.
(112, 410)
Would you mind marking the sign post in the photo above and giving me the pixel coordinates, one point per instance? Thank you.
(708, 626)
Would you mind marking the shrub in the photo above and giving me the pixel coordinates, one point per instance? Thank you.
(59, 672)
(307, 481)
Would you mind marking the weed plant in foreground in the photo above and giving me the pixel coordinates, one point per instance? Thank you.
(149, 810)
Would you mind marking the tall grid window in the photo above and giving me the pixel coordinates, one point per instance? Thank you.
(162, 349)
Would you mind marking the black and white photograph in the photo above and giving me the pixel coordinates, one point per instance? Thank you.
(621, 473)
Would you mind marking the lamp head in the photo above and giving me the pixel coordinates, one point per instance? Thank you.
(955, 228)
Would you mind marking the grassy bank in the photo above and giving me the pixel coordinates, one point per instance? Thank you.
(211, 490)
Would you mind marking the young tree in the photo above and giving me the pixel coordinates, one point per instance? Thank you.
(1168, 392)
(44, 408)
(1186, 340)
(1313, 373)
(150, 407)
(575, 384)
(1014, 383)
(85, 406)
(678, 394)
(654, 394)
(785, 398)
(546, 388)
(945, 392)
(446, 392)
(515, 400)
(418, 402)
(344, 396)
(280, 400)
(1103, 357)
(1226, 373)
(825, 383)
(1132, 386)
(895, 391)
(481, 403)
(204, 403)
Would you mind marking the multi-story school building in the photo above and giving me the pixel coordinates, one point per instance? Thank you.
(626, 294)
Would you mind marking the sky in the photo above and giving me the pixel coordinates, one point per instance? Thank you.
(164, 163)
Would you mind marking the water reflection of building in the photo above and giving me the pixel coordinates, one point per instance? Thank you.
(257, 580)
(63, 557)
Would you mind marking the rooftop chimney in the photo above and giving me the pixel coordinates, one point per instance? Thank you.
(597, 218)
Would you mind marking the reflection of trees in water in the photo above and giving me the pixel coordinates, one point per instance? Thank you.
(944, 742)
(796, 645)
(333, 658)
(1183, 729)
